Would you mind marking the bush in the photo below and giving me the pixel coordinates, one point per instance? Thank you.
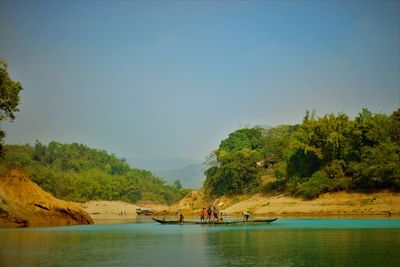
(335, 169)
(280, 170)
(293, 185)
(342, 184)
(302, 163)
(378, 168)
(316, 185)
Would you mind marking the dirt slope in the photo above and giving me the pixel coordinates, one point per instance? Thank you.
(24, 203)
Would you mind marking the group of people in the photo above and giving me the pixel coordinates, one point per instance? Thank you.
(212, 215)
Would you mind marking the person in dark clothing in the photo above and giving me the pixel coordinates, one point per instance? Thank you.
(216, 213)
(209, 213)
(246, 215)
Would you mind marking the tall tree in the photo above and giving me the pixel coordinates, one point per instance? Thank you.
(9, 98)
(233, 166)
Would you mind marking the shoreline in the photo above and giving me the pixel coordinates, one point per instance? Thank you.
(338, 204)
(328, 204)
(118, 208)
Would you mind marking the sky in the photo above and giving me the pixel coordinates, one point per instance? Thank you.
(164, 79)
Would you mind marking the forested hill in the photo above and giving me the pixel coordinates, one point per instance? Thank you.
(79, 173)
(330, 153)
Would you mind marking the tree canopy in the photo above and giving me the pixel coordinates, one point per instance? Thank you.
(9, 98)
(79, 173)
(329, 153)
(234, 168)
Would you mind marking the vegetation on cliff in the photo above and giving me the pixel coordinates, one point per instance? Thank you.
(330, 153)
(79, 173)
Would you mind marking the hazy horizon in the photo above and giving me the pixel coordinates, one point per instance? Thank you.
(169, 80)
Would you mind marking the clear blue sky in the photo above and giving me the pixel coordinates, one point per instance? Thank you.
(171, 79)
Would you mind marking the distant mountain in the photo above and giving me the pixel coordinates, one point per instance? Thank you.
(191, 176)
(189, 172)
(156, 165)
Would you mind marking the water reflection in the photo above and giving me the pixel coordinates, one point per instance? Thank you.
(286, 243)
(306, 248)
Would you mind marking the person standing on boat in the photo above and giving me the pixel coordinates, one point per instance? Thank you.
(202, 214)
(209, 212)
(216, 213)
(246, 215)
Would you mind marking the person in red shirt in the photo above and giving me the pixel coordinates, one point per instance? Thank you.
(202, 214)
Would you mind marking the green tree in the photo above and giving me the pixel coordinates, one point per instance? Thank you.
(319, 142)
(237, 173)
(379, 167)
(250, 138)
(275, 141)
(9, 98)
(395, 126)
(178, 185)
(328, 153)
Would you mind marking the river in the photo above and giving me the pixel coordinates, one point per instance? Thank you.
(285, 242)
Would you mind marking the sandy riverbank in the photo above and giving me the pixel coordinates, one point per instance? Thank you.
(116, 209)
(338, 203)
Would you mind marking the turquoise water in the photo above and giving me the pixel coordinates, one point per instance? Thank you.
(286, 242)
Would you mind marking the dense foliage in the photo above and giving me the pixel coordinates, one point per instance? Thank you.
(77, 172)
(9, 98)
(330, 153)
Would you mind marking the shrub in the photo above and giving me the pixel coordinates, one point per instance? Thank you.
(293, 185)
(335, 169)
(277, 185)
(342, 184)
(316, 185)
(280, 170)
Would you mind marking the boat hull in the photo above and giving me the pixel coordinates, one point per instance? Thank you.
(218, 223)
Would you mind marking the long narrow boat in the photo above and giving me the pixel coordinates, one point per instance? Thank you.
(219, 222)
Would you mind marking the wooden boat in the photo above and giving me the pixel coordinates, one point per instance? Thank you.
(262, 221)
